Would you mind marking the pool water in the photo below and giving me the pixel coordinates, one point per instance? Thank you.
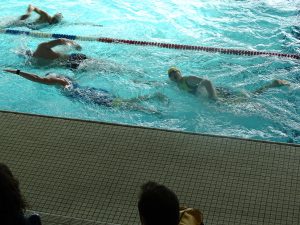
(129, 71)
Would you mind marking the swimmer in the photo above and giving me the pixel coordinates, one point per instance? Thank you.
(43, 20)
(89, 94)
(45, 55)
(43, 16)
(195, 85)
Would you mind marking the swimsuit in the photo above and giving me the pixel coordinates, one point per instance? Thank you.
(93, 95)
(88, 94)
(75, 59)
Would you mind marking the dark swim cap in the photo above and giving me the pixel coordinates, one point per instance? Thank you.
(75, 60)
(28, 53)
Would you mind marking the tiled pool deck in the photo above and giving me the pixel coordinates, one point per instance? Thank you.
(79, 172)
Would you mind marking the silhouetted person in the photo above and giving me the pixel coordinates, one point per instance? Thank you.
(158, 205)
(12, 203)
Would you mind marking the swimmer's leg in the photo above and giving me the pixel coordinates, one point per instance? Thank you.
(157, 96)
(13, 23)
(140, 108)
(132, 104)
(136, 107)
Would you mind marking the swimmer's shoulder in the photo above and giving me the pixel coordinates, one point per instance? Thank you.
(192, 81)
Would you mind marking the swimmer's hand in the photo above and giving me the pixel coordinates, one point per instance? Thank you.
(25, 16)
(10, 71)
(17, 72)
(30, 8)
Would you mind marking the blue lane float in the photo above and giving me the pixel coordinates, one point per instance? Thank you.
(17, 32)
(71, 37)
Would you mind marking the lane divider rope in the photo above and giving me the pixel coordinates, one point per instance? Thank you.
(156, 44)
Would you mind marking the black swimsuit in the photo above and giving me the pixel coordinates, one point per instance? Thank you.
(75, 59)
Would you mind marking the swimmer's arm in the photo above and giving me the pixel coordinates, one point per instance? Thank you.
(42, 13)
(60, 41)
(28, 14)
(37, 79)
(197, 81)
(211, 90)
(149, 82)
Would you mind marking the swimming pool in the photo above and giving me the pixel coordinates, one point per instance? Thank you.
(129, 71)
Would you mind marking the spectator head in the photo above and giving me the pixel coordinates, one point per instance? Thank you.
(158, 205)
(11, 201)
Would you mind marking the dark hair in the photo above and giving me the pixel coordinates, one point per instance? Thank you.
(12, 203)
(29, 53)
(158, 205)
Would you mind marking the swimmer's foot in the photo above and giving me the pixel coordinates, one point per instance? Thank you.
(274, 84)
(161, 97)
(279, 83)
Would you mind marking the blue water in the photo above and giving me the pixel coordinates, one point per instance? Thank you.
(130, 71)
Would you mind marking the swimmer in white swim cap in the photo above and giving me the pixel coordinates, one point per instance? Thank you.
(44, 16)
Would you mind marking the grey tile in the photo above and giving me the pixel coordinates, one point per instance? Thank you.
(79, 172)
